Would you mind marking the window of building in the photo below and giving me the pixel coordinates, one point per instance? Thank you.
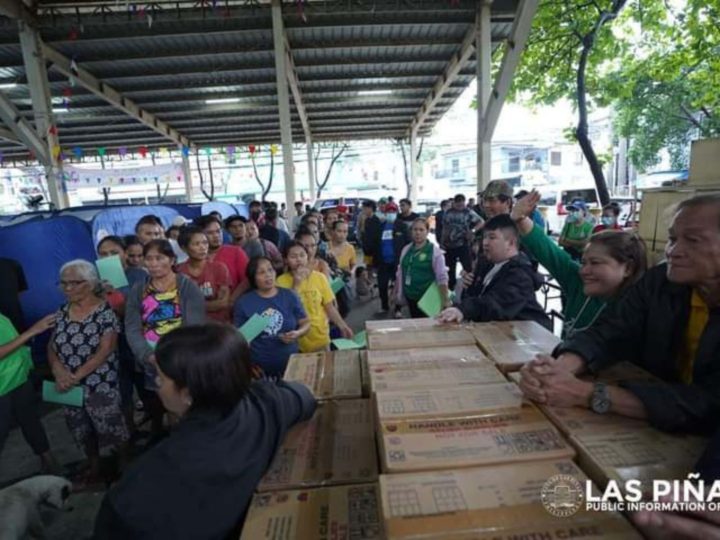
(514, 164)
(556, 159)
(455, 166)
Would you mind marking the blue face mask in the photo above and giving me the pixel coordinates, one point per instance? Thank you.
(390, 218)
(380, 215)
(608, 221)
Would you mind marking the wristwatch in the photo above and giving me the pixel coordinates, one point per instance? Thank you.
(600, 399)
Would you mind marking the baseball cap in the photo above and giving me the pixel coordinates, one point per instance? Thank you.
(577, 204)
(498, 188)
(391, 207)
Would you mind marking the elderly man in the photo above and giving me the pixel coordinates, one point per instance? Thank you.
(668, 323)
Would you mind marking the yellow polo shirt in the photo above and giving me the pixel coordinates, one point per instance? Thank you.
(315, 293)
(699, 315)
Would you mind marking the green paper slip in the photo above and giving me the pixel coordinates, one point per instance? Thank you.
(432, 301)
(151, 344)
(73, 397)
(337, 285)
(253, 327)
(111, 270)
(361, 338)
(358, 342)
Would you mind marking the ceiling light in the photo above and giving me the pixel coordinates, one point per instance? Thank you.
(222, 100)
(374, 92)
(59, 111)
(7, 86)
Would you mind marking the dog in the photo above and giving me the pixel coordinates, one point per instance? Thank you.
(19, 505)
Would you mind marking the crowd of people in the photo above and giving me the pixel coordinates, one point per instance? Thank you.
(168, 341)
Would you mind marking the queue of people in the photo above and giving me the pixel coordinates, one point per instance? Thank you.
(663, 319)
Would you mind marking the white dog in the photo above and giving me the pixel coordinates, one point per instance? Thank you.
(19, 514)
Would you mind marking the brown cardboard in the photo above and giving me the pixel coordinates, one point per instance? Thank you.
(397, 325)
(447, 402)
(505, 437)
(328, 375)
(643, 454)
(336, 446)
(512, 344)
(432, 336)
(427, 357)
(340, 512)
(488, 502)
(453, 375)
(704, 163)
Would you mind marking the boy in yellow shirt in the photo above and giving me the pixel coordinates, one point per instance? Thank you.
(317, 299)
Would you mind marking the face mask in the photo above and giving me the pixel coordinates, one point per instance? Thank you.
(575, 216)
(381, 215)
(608, 221)
(390, 218)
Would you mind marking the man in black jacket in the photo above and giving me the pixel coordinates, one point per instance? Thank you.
(371, 231)
(668, 323)
(502, 289)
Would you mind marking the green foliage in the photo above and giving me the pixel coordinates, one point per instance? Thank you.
(657, 65)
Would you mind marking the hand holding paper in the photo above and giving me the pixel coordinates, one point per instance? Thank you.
(432, 301)
(111, 270)
(253, 327)
(358, 342)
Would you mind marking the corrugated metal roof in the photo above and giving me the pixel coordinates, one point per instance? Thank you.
(186, 55)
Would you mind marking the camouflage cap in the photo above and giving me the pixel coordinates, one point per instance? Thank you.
(498, 188)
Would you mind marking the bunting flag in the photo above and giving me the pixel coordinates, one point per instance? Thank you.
(251, 149)
(143, 151)
(52, 130)
(185, 151)
(78, 152)
(101, 151)
(56, 151)
(207, 150)
(122, 151)
(273, 149)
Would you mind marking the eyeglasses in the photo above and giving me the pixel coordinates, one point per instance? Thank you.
(71, 284)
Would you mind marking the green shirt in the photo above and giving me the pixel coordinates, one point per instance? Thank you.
(581, 232)
(417, 271)
(14, 367)
(579, 311)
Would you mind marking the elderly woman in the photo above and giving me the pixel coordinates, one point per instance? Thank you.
(198, 482)
(81, 353)
(156, 306)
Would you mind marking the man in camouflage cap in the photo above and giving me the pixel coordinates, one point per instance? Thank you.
(497, 198)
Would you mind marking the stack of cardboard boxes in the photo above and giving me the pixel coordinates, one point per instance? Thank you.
(462, 454)
(322, 483)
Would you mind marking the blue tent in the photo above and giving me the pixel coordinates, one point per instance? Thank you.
(42, 246)
(121, 220)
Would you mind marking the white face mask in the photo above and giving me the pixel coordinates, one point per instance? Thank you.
(390, 218)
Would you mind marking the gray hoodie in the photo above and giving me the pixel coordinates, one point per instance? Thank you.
(192, 307)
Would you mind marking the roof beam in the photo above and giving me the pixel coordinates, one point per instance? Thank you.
(515, 47)
(24, 131)
(112, 96)
(8, 135)
(451, 72)
(295, 88)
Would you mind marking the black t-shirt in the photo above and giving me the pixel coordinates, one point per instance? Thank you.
(13, 282)
(412, 216)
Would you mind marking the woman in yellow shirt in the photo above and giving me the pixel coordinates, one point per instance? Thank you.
(341, 249)
(316, 296)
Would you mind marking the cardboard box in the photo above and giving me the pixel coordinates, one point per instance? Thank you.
(328, 375)
(704, 163)
(431, 336)
(512, 344)
(428, 357)
(398, 325)
(340, 512)
(502, 502)
(450, 375)
(507, 437)
(643, 454)
(336, 446)
(447, 402)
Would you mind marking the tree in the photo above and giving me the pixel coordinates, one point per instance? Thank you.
(400, 145)
(264, 190)
(336, 150)
(654, 64)
(211, 195)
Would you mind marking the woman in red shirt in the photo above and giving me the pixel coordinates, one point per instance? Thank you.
(211, 277)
